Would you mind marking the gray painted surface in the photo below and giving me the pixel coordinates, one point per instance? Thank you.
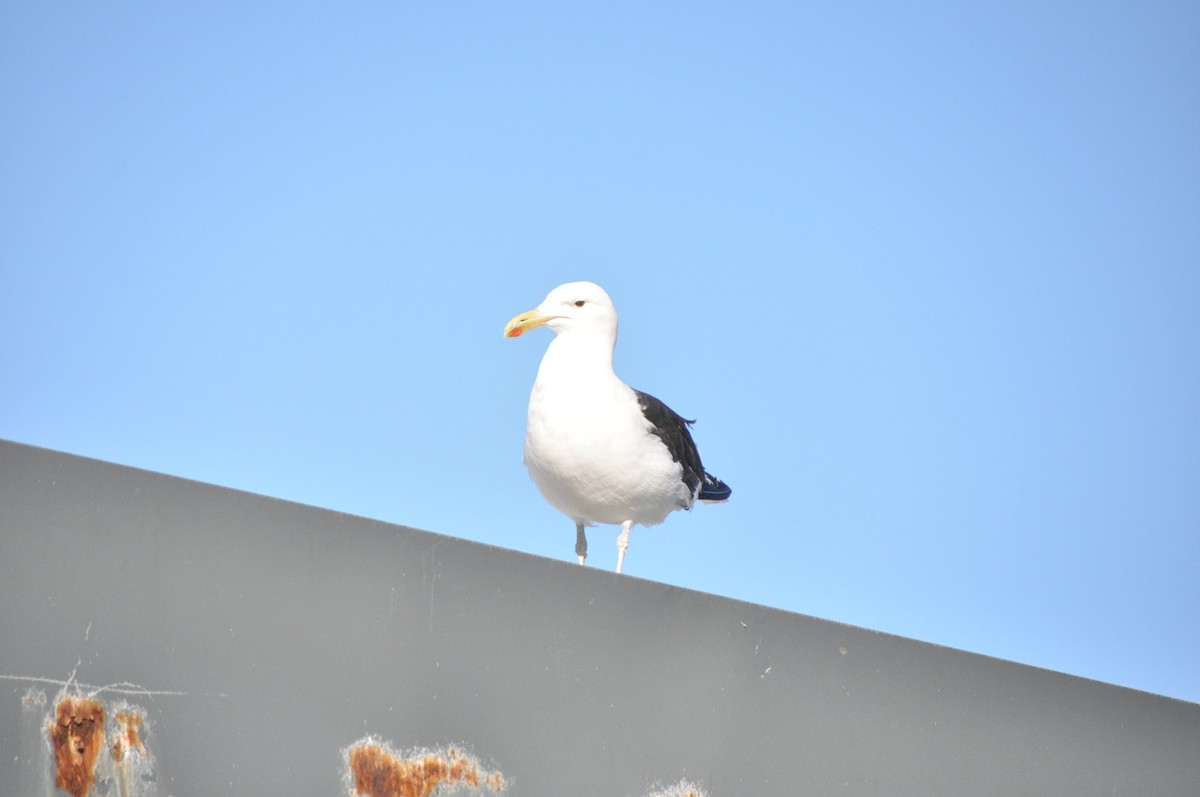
(291, 632)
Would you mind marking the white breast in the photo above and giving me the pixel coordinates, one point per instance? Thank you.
(592, 453)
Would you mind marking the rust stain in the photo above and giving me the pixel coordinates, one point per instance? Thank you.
(379, 773)
(77, 737)
(129, 723)
(127, 748)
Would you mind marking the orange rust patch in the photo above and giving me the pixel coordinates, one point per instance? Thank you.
(130, 725)
(77, 737)
(378, 773)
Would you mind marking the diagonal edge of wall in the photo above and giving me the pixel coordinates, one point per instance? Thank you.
(247, 644)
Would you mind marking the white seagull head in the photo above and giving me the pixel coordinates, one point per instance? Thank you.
(573, 307)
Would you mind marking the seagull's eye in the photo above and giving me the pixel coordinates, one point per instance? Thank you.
(579, 302)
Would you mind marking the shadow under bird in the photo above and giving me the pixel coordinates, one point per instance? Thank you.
(598, 450)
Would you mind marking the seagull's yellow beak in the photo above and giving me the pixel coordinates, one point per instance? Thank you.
(523, 322)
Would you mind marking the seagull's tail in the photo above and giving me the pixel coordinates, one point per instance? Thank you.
(713, 490)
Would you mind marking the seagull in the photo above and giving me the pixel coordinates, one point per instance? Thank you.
(598, 450)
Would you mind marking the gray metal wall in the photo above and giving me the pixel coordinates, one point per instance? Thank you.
(259, 639)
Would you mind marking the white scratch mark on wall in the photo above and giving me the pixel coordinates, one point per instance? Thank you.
(122, 688)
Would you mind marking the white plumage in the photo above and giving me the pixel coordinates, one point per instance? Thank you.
(598, 450)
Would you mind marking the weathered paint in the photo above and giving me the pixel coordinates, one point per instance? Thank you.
(129, 756)
(83, 745)
(128, 739)
(680, 789)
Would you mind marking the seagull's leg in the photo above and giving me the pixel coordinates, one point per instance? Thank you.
(623, 542)
(580, 543)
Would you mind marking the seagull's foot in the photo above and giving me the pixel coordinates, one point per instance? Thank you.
(623, 543)
(580, 543)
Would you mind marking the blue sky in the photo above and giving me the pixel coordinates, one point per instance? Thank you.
(928, 276)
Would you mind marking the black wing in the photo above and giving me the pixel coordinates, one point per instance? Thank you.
(672, 429)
